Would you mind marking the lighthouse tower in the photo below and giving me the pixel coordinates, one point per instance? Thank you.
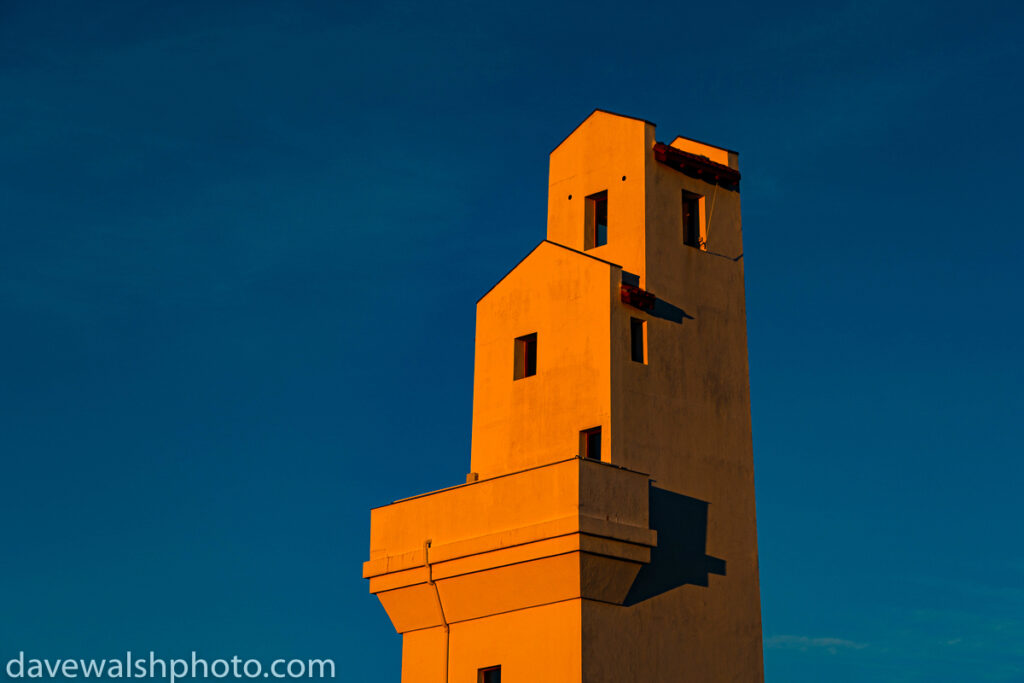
(606, 531)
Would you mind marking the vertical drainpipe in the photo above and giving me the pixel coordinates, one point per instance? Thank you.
(444, 620)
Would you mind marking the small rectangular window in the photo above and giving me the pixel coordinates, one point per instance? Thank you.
(638, 340)
(590, 443)
(691, 219)
(526, 356)
(597, 221)
(491, 674)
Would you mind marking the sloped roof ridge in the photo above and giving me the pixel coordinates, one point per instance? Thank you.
(603, 111)
(530, 253)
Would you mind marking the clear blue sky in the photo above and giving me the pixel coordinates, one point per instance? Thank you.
(240, 249)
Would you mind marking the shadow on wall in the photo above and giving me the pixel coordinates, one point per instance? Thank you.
(665, 310)
(659, 308)
(679, 558)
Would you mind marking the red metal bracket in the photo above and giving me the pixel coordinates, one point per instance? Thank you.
(697, 166)
(637, 298)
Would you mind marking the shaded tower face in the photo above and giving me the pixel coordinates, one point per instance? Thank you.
(607, 528)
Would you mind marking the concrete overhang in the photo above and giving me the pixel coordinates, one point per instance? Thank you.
(572, 529)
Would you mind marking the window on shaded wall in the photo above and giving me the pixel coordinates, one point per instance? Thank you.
(597, 221)
(526, 356)
(691, 219)
(590, 443)
(638, 340)
(491, 674)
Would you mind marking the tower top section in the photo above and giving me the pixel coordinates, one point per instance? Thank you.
(617, 193)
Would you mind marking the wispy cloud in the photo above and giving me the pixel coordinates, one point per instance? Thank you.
(805, 643)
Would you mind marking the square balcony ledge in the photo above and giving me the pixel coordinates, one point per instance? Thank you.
(571, 529)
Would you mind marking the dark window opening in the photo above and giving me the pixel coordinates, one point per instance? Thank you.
(597, 221)
(526, 356)
(491, 674)
(590, 443)
(638, 340)
(691, 219)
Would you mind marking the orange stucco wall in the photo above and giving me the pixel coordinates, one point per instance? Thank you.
(540, 645)
(564, 298)
(605, 153)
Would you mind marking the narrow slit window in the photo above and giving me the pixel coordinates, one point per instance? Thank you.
(691, 220)
(638, 340)
(590, 443)
(491, 674)
(597, 221)
(526, 356)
